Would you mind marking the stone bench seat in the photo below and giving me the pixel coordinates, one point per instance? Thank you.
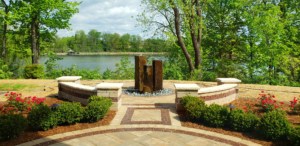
(225, 92)
(69, 88)
(77, 86)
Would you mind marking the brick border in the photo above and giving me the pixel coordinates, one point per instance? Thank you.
(165, 116)
(218, 96)
(218, 139)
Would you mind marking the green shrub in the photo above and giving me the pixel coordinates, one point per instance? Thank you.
(12, 125)
(193, 106)
(96, 109)
(34, 71)
(69, 113)
(240, 121)
(215, 115)
(41, 118)
(294, 136)
(274, 125)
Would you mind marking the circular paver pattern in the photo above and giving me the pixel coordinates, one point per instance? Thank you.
(151, 135)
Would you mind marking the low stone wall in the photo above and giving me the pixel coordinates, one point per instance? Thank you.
(69, 88)
(224, 93)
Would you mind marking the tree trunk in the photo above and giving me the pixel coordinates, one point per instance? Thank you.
(4, 49)
(180, 40)
(34, 40)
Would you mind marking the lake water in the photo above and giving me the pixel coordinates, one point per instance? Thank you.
(100, 62)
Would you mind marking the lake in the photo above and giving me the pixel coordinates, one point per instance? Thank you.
(99, 62)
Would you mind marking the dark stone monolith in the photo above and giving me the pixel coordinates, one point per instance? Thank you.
(148, 79)
(140, 61)
(157, 75)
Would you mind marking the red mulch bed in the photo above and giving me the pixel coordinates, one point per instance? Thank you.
(32, 135)
(241, 103)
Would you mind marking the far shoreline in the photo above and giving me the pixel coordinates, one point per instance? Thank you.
(113, 53)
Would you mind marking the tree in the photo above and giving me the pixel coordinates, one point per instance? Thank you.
(4, 20)
(94, 40)
(42, 17)
(180, 20)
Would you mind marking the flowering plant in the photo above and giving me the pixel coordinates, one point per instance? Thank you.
(268, 102)
(293, 105)
(15, 103)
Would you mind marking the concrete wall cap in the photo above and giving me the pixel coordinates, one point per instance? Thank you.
(186, 87)
(216, 88)
(68, 78)
(109, 86)
(78, 86)
(230, 80)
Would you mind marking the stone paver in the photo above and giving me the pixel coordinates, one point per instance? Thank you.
(148, 121)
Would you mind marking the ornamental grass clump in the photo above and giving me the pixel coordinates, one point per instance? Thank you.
(273, 125)
(194, 107)
(215, 115)
(239, 120)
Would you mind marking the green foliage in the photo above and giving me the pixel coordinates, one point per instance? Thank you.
(41, 118)
(96, 109)
(215, 115)
(240, 121)
(194, 107)
(34, 71)
(51, 63)
(274, 126)
(294, 136)
(12, 125)
(74, 71)
(69, 113)
(124, 70)
(5, 72)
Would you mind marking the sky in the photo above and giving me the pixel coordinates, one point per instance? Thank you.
(109, 16)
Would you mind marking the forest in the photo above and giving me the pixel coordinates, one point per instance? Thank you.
(95, 41)
(256, 41)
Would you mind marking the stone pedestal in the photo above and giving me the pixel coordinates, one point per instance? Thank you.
(182, 90)
(112, 91)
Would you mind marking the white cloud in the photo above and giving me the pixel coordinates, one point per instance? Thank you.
(105, 16)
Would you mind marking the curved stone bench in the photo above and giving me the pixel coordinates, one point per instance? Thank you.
(69, 88)
(224, 93)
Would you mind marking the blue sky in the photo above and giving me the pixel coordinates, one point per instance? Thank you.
(106, 16)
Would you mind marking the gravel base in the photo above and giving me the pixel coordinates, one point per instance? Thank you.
(134, 92)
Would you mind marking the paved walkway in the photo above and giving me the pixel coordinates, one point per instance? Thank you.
(142, 121)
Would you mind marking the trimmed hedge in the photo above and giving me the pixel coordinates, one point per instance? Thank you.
(240, 121)
(194, 106)
(274, 126)
(34, 71)
(69, 113)
(96, 109)
(12, 125)
(215, 115)
(42, 118)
